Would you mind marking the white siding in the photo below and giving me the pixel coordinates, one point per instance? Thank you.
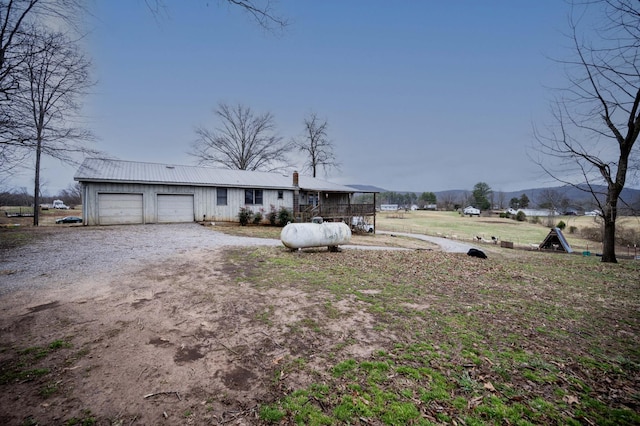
(175, 208)
(203, 201)
(115, 209)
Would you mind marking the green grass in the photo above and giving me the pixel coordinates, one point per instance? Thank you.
(26, 364)
(11, 238)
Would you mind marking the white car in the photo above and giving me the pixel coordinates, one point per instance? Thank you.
(471, 211)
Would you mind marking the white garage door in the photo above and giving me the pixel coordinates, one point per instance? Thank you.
(115, 209)
(175, 208)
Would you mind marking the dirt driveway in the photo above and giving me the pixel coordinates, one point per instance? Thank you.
(141, 325)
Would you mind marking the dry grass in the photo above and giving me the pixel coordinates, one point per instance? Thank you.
(522, 234)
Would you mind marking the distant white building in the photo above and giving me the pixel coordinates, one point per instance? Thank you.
(535, 212)
(388, 207)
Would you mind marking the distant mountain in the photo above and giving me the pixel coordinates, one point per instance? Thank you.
(577, 196)
(536, 195)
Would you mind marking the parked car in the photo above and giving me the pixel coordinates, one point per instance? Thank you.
(69, 219)
(471, 211)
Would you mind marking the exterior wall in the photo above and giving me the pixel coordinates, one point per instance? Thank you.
(205, 208)
(235, 200)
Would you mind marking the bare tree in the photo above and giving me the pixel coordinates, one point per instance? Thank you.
(447, 201)
(72, 195)
(597, 117)
(17, 17)
(551, 199)
(56, 75)
(316, 145)
(263, 12)
(243, 141)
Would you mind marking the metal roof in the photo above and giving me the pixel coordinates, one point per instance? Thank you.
(107, 170)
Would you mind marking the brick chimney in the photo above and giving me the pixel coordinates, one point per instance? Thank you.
(296, 196)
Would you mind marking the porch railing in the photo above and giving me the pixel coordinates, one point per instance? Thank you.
(335, 212)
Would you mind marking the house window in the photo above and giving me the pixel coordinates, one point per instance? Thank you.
(253, 196)
(221, 196)
(280, 194)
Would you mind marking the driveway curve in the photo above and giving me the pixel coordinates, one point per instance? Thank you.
(444, 243)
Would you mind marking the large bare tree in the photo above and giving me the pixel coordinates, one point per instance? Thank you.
(316, 145)
(243, 140)
(17, 18)
(56, 76)
(597, 117)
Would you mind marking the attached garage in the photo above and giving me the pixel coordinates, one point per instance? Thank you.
(116, 209)
(175, 208)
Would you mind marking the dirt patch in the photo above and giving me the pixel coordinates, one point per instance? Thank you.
(187, 330)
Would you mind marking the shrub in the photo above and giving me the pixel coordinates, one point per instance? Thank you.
(272, 216)
(572, 229)
(257, 218)
(284, 216)
(521, 216)
(561, 225)
(244, 216)
(534, 220)
(627, 236)
(593, 233)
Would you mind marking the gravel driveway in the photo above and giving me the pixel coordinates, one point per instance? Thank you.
(81, 252)
(444, 243)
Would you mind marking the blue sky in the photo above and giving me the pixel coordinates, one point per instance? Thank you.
(419, 95)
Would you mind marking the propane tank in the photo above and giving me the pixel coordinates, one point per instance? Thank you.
(303, 235)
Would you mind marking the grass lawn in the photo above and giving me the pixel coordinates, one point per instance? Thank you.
(525, 338)
(523, 234)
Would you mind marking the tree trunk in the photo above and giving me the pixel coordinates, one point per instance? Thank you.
(609, 234)
(36, 186)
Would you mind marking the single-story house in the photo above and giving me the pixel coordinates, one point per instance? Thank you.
(127, 192)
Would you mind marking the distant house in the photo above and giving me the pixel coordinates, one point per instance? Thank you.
(471, 211)
(126, 192)
(535, 212)
(388, 207)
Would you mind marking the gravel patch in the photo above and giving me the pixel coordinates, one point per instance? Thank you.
(80, 252)
(83, 253)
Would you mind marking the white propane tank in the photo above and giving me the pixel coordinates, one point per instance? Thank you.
(302, 235)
